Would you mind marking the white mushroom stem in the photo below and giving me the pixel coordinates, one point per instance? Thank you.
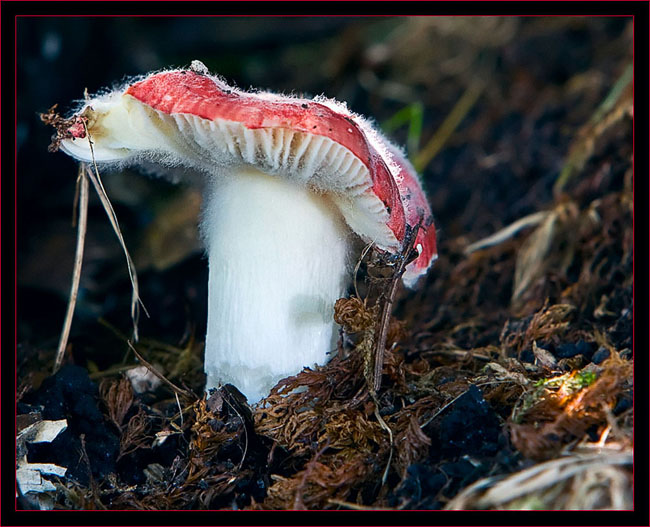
(278, 261)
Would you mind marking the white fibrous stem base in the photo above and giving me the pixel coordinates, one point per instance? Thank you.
(278, 262)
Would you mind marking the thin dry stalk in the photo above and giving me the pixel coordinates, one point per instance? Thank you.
(112, 217)
(356, 267)
(442, 409)
(495, 492)
(243, 423)
(153, 370)
(82, 185)
(384, 320)
(385, 426)
(356, 506)
(508, 232)
(135, 297)
(448, 126)
(86, 173)
(93, 484)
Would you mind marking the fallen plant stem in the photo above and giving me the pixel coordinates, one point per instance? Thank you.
(82, 185)
(508, 232)
(495, 491)
(111, 371)
(153, 370)
(94, 488)
(135, 297)
(110, 212)
(440, 410)
(75, 200)
(112, 329)
(384, 319)
(150, 343)
(456, 353)
(355, 506)
(448, 126)
(385, 426)
(358, 265)
(81, 194)
(243, 423)
(384, 323)
(615, 105)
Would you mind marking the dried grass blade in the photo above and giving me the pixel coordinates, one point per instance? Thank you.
(82, 185)
(136, 302)
(356, 506)
(449, 125)
(385, 426)
(531, 257)
(508, 232)
(494, 492)
(243, 423)
(153, 370)
(358, 265)
(384, 320)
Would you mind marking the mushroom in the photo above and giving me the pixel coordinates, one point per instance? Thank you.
(289, 187)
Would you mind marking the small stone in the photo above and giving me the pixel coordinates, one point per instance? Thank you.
(600, 355)
(571, 349)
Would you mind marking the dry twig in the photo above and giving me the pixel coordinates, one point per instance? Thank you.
(153, 370)
(384, 319)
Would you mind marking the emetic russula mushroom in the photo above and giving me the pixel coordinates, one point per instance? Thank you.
(290, 186)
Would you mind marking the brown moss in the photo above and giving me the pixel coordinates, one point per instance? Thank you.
(562, 409)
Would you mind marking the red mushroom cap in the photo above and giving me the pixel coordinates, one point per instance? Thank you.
(389, 179)
(417, 211)
(199, 95)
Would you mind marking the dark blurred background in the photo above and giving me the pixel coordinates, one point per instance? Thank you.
(528, 85)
